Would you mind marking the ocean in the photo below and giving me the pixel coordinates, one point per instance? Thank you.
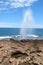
(16, 31)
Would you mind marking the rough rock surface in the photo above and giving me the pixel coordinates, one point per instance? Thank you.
(23, 52)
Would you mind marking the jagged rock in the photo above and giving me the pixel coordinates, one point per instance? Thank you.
(23, 52)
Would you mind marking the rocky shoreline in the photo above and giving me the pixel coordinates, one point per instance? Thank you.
(21, 52)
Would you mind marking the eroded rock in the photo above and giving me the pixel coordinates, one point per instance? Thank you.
(23, 52)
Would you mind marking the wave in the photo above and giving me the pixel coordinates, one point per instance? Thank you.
(33, 35)
(17, 37)
(26, 36)
(5, 37)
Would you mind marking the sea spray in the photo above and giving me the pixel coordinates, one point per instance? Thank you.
(28, 23)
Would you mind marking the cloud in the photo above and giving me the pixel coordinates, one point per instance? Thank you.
(9, 25)
(21, 3)
(6, 4)
(38, 26)
(13, 25)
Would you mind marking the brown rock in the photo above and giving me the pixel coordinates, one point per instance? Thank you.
(24, 52)
(6, 62)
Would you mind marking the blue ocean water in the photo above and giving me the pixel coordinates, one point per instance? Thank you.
(9, 31)
(16, 31)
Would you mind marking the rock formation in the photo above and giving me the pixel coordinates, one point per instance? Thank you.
(23, 52)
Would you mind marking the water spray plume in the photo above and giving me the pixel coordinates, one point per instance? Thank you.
(28, 23)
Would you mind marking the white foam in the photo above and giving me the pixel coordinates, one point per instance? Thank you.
(5, 37)
(32, 35)
(18, 37)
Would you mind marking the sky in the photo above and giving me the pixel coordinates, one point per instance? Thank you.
(12, 12)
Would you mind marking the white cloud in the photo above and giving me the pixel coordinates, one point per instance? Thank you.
(13, 25)
(9, 25)
(38, 26)
(15, 3)
(3, 9)
(21, 3)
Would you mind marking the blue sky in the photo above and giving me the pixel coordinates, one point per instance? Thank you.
(12, 12)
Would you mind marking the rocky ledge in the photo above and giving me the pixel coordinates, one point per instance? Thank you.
(23, 52)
